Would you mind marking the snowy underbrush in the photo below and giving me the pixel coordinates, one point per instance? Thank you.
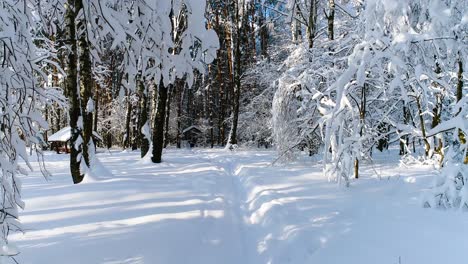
(412, 160)
(450, 189)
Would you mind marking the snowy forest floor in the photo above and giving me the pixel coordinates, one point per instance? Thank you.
(216, 206)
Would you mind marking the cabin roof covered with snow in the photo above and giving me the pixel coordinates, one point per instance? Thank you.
(192, 128)
(64, 134)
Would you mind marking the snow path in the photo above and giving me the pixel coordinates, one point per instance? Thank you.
(183, 209)
(234, 200)
(222, 207)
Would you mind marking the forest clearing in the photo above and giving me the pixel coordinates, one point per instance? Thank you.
(233, 131)
(218, 206)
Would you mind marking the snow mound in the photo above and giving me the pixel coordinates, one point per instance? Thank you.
(147, 158)
(97, 172)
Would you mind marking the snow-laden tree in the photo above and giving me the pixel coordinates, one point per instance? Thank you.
(449, 31)
(287, 122)
(255, 114)
(389, 71)
(260, 83)
(171, 41)
(22, 96)
(313, 65)
(161, 41)
(408, 58)
(79, 31)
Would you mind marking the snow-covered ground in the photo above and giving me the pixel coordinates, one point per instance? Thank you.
(222, 207)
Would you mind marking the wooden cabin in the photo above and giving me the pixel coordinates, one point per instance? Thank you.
(60, 141)
(191, 135)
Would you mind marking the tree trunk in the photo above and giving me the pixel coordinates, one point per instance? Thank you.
(237, 83)
(86, 93)
(460, 78)
(251, 32)
(47, 118)
(461, 135)
(221, 62)
(312, 23)
(263, 34)
(96, 108)
(362, 116)
(404, 139)
(158, 125)
(128, 118)
(229, 90)
(71, 87)
(143, 116)
(296, 26)
(210, 114)
(108, 125)
(135, 133)
(427, 146)
(166, 121)
(58, 119)
(436, 119)
(179, 91)
(58, 112)
(331, 19)
(222, 102)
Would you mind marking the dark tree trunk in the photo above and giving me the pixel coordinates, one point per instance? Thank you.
(331, 19)
(263, 34)
(210, 114)
(188, 107)
(135, 134)
(108, 124)
(427, 146)
(460, 78)
(86, 93)
(362, 116)
(461, 135)
(237, 83)
(143, 116)
(71, 88)
(312, 23)
(436, 118)
(296, 25)
(221, 62)
(404, 139)
(166, 121)
(47, 118)
(96, 108)
(58, 119)
(158, 125)
(222, 112)
(179, 91)
(128, 118)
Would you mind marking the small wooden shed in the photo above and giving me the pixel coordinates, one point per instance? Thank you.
(191, 135)
(60, 141)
